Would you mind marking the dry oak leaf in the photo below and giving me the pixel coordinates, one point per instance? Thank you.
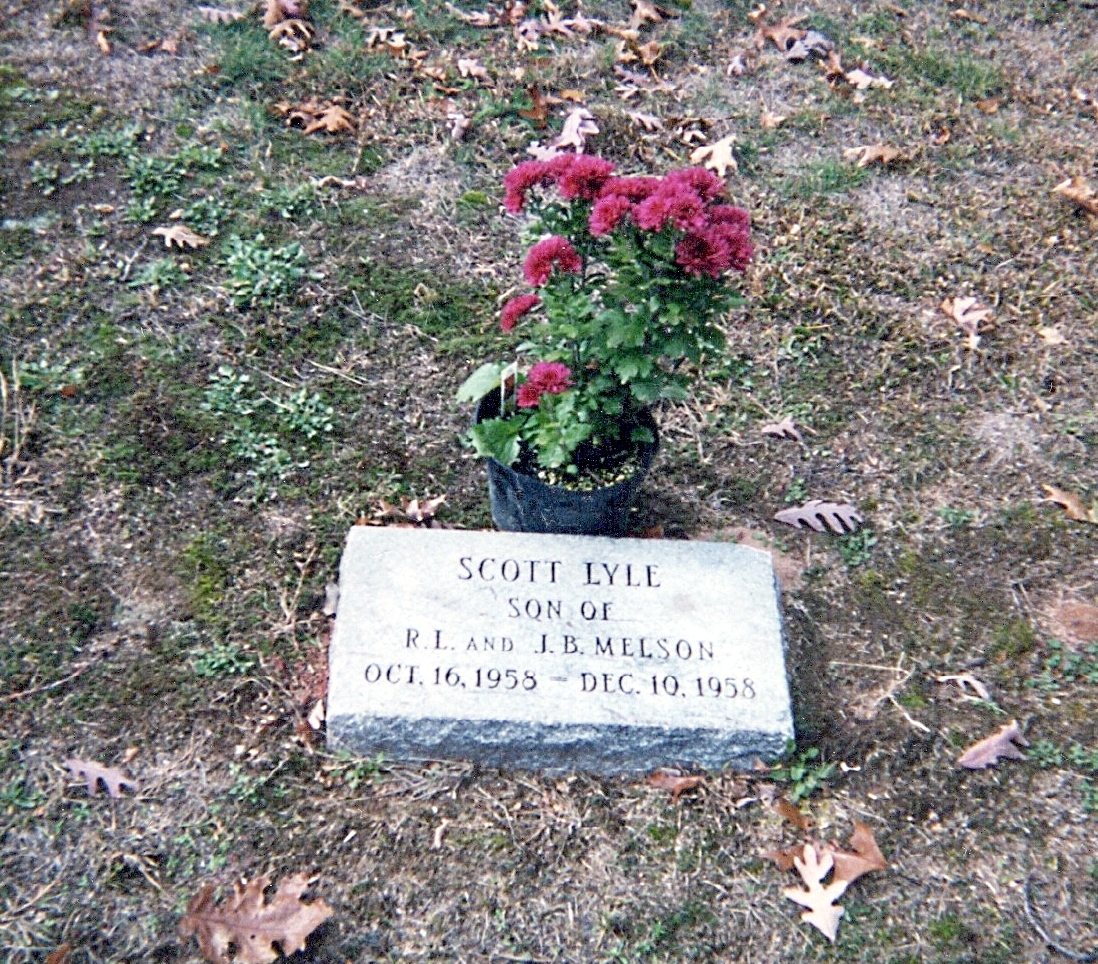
(278, 10)
(181, 235)
(471, 67)
(860, 80)
(251, 926)
(331, 119)
(1078, 190)
(425, 511)
(968, 313)
(295, 35)
(868, 154)
(717, 157)
(1072, 504)
(991, 749)
(783, 34)
(840, 517)
(866, 856)
(792, 813)
(675, 782)
(578, 126)
(92, 773)
(219, 14)
(646, 12)
(786, 428)
(822, 913)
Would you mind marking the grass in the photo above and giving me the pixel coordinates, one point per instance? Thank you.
(187, 434)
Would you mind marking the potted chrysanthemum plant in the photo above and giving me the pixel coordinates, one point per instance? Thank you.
(630, 277)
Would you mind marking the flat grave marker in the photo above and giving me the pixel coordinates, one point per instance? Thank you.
(556, 652)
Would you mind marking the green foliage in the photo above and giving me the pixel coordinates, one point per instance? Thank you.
(1063, 667)
(956, 518)
(222, 659)
(805, 772)
(260, 274)
(825, 177)
(856, 548)
(159, 274)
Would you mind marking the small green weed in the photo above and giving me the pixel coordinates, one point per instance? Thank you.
(354, 771)
(856, 548)
(956, 518)
(1063, 667)
(1083, 760)
(796, 492)
(805, 772)
(260, 274)
(158, 275)
(222, 659)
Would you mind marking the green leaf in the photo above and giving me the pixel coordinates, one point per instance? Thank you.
(480, 383)
(497, 438)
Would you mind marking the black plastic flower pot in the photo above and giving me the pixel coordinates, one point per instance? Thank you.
(523, 503)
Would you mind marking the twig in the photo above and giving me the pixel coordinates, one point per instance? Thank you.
(1036, 923)
(8, 697)
(337, 373)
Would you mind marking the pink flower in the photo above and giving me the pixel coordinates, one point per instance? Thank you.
(554, 250)
(698, 179)
(544, 378)
(634, 188)
(674, 202)
(584, 177)
(715, 249)
(607, 213)
(515, 309)
(519, 180)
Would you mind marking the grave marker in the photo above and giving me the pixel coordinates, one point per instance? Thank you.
(556, 652)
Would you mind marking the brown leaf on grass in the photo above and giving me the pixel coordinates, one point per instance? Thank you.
(717, 157)
(92, 773)
(788, 811)
(860, 80)
(991, 749)
(275, 11)
(473, 68)
(251, 926)
(59, 956)
(675, 782)
(578, 126)
(420, 512)
(962, 14)
(180, 235)
(822, 913)
(219, 14)
(784, 858)
(538, 112)
(1078, 190)
(866, 856)
(294, 35)
(769, 121)
(474, 18)
(782, 34)
(647, 12)
(786, 428)
(1072, 505)
(969, 314)
(868, 154)
(650, 122)
(840, 517)
(332, 119)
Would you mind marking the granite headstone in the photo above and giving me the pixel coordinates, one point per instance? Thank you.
(557, 652)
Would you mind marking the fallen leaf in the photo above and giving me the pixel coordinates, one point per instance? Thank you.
(646, 12)
(181, 235)
(59, 956)
(676, 783)
(788, 811)
(538, 112)
(716, 157)
(768, 120)
(276, 11)
(332, 119)
(92, 773)
(840, 517)
(422, 512)
(989, 105)
(822, 913)
(649, 53)
(650, 122)
(963, 14)
(786, 428)
(860, 80)
(968, 680)
(294, 35)
(782, 34)
(578, 126)
(866, 856)
(1072, 504)
(1052, 336)
(251, 926)
(459, 124)
(1078, 190)
(785, 859)
(873, 154)
(812, 44)
(470, 67)
(991, 749)
(968, 313)
(219, 14)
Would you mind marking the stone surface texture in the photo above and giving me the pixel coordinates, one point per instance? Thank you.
(557, 652)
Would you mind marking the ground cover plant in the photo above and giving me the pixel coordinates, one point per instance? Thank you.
(248, 256)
